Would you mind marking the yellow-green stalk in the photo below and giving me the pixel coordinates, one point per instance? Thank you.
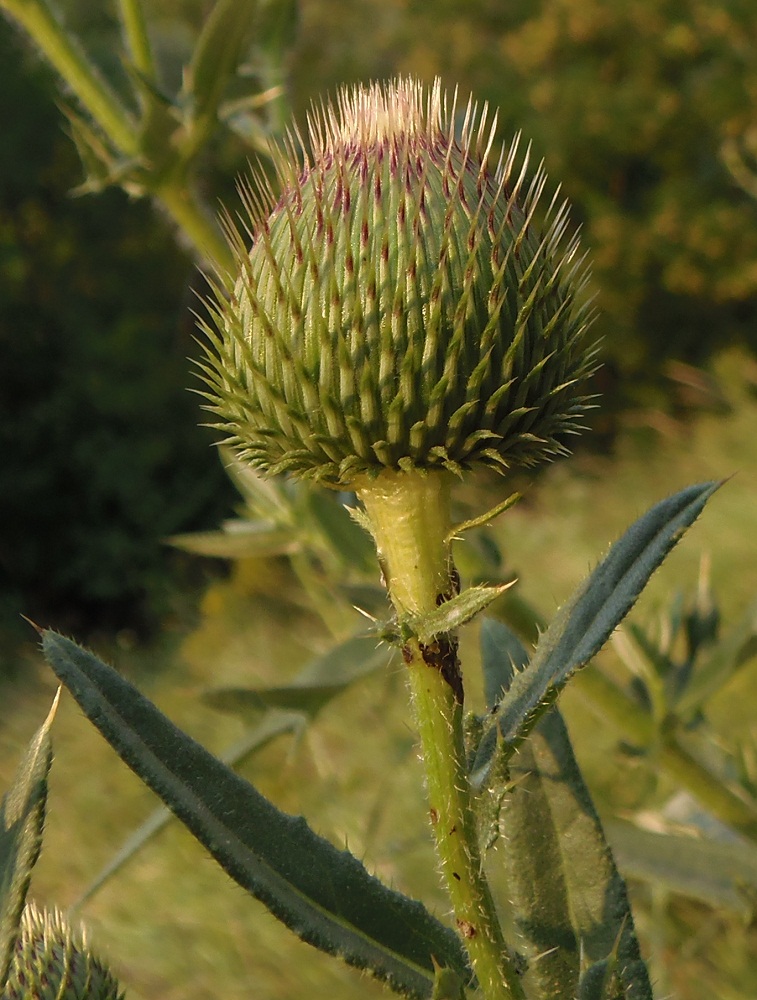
(403, 313)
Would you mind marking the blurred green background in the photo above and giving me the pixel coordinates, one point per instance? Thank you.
(646, 113)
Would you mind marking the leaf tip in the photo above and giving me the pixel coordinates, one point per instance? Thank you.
(37, 628)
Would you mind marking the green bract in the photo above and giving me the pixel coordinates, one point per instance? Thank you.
(51, 962)
(402, 306)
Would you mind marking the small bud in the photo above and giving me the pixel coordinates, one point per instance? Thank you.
(402, 306)
(52, 962)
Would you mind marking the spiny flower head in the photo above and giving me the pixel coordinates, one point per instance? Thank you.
(51, 962)
(401, 305)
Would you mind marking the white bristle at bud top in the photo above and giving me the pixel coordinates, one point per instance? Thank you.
(403, 304)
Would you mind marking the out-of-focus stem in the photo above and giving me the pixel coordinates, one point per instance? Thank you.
(136, 37)
(607, 700)
(68, 58)
(409, 516)
(195, 222)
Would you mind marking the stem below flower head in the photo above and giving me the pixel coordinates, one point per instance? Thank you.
(410, 520)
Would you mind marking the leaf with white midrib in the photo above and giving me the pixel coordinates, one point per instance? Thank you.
(325, 895)
(583, 625)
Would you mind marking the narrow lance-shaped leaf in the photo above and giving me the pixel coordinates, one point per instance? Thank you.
(342, 664)
(583, 625)
(324, 895)
(567, 871)
(273, 725)
(719, 873)
(569, 900)
(22, 817)
(320, 680)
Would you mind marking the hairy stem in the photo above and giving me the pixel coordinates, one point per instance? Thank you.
(409, 516)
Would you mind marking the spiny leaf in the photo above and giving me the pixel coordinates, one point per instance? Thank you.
(478, 522)
(22, 817)
(217, 54)
(324, 895)
(583, 625)
(569, 900)
(272, 726)
(459, 610)
(502, 656)
(239, 539)
(322, 679)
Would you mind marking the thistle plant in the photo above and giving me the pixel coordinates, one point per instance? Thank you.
(402, 307)
(53, 962)
(400, 316)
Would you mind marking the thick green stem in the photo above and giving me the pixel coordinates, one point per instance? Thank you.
(409, 515)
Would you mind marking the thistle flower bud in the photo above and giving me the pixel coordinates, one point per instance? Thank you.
(51, 962)
(402, 306)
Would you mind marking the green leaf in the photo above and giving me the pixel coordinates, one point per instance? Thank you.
(583, 625)
(459, 610)
(597, 981)
(343, 535)
(447, 986)
(273, 725)
(99, 160)
(239, 539)
(570, 903)
(502, 656)
(478, 522)
(322, 894)
(22, 818)
(715, 872)
(317, 683)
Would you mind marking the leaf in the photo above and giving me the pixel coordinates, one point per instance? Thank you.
(239, 539)
(275, 724)
(570, 902)
(322, 894)
(317, 683)
(502, 656)
(447, 985)
(344, 537)
(22, 818)
(583, 625)
(478, 522)
(715, 872)
(459, 610)
(597, 980)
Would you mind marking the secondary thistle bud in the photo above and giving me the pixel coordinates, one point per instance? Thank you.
(51, 962)
(402, 306)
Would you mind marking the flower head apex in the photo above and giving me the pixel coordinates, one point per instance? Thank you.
(403, 305)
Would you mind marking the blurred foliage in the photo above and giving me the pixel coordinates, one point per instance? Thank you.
(101, 455)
